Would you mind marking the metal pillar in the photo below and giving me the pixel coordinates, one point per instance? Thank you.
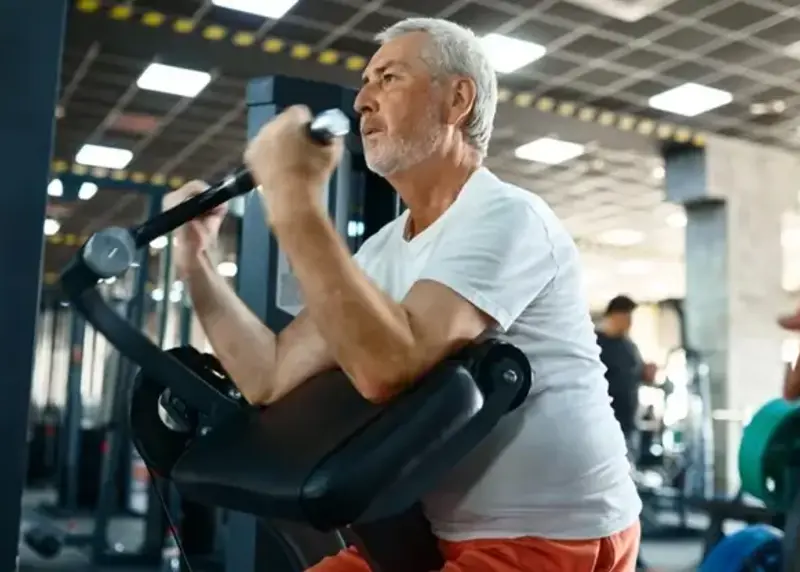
(33, 33)
(265, 282)
(735, 194)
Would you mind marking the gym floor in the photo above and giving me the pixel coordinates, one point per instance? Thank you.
(663, 556)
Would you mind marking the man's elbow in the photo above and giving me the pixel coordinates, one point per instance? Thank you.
(380, 385)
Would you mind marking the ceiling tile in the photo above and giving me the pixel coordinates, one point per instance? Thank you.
(374, 23)
(421, 7)
(568, 11)
(638, 29)
(322, 11)
(689, 71)
(783, 33)
(600, 77)
(482, 20)
(592, 47)
(539, 32)
(642, 59)
(738, 16)
(735, 53)
(686, 39)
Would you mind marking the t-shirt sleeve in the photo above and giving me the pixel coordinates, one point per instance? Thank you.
(499, 258)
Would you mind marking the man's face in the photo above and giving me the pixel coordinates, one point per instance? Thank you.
(401, 106)
(625, 321)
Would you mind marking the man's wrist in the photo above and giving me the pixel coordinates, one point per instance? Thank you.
(194, 266)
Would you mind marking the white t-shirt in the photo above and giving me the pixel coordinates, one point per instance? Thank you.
(557, 466)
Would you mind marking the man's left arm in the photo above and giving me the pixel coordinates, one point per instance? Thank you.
(483, 273)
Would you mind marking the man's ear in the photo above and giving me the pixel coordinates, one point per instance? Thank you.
(462, 100)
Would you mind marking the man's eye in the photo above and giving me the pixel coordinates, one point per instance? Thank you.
(388, 77)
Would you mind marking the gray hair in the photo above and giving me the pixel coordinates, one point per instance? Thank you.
(458, 51)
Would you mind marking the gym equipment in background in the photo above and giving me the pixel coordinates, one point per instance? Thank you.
(769, 465)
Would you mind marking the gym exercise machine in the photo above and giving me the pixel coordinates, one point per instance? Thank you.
(50, 530)
(676, 456)
(769, 468)
(351, 465)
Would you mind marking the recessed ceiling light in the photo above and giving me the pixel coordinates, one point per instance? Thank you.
(159, 243)
(621, 237)
(51, 226)
(690, 99)
(658, 172)
(176, 81)
(774, 107)
(55, 188)
(510, 54)
(227, 269)
(87, 191)
(676, 220)
(105, 157)
(265, 8)
(549, 151)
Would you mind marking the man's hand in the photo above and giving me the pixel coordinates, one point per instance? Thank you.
(197, 236)
(791, 323)
(290, 168)
(649, 372)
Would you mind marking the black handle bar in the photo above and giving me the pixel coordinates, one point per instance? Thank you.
(323, 129)
(112, 251)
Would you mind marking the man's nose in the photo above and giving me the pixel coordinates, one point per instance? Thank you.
(364, 102)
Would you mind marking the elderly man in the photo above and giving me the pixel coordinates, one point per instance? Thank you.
(550, 489)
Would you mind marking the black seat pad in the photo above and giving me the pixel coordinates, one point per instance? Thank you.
(326, 456)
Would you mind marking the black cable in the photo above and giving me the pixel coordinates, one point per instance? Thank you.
(172, 527)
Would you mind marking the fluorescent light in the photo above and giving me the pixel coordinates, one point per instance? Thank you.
(176, 81)
(549, 151)
(175, 296)
(227, 269)
(510, 54)
(87, 191)
(266, 8)
(51, 226)
(157, 294)
(355, 228)
(690, 99)
(105, 157)
(55, 188)
(159, 243)
(621, 237)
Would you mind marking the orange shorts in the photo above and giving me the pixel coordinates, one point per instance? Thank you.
(616, 553)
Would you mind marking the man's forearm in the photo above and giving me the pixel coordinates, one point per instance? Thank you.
(244, 345)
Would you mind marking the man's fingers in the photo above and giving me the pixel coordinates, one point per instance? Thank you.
(187, 191)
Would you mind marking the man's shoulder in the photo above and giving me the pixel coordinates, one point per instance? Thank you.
(502, 198)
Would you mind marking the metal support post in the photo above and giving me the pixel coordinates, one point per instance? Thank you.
(31, 39)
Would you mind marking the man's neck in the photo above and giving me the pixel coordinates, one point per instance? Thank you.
(430, 187)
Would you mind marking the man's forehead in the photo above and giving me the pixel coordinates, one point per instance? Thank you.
(402, 50)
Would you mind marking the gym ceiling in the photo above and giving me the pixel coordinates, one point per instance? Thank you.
(602, 62)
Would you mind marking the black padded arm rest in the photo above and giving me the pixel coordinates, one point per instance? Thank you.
(324, 455)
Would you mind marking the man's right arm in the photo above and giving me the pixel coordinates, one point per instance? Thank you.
(264, 367)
